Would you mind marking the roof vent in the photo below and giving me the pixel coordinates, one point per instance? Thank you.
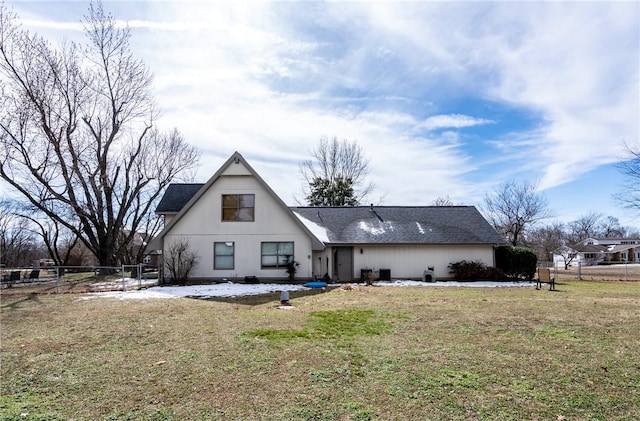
(376, 213)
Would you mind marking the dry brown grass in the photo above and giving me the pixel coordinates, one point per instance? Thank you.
(360, 354)
(628, 273)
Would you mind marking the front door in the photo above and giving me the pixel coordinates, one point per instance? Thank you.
(343, 264)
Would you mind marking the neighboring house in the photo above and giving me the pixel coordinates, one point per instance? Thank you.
(239, 227)
(593, 251)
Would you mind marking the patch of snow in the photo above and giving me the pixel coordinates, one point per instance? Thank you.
(237, 290)
(420, 228)
(228, 289)
(318, 231)
(129, 283)
(380, 229)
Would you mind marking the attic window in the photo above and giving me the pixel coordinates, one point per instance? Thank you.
(238, 207)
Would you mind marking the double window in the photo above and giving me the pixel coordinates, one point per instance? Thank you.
(223, 255)
(276, 254)
(238, 207)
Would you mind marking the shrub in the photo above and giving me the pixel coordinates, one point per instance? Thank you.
(516, 262)
(292, 268)
(474, 270)
(180, 260)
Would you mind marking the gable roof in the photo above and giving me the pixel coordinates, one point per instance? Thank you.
(588, 248)
(351, 225)
(400, 224)
(182, 197)
(622, 247)
(176, 197)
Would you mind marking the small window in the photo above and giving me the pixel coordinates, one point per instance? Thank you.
(223, 254)
(238, 207)
(276, 254)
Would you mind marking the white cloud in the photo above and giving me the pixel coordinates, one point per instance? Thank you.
(453, 121)
(270, 79)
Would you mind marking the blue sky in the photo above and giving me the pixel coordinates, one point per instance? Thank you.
(446, 98)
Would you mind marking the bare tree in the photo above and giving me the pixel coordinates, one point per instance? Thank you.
(630, 168)
(514, 208)
(18, 245)
(77, 133)
(336, 176)
(546, 240)
(180, 260)
(587, 226)
(443, 201)
(610, 227)
(568, 255)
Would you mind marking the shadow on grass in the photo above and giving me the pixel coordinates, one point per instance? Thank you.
(13, 304)
(545, 288)
(259, 299)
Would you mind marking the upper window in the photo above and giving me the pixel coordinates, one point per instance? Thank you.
(223, 255)
(238, 207)
(276, 254)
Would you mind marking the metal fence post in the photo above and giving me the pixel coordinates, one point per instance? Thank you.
(579, 270)
(57, 279)
(626, 270)
(124, 284)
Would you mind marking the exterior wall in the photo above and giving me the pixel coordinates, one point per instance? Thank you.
(631, 255)
(202, 225)
(410, 261)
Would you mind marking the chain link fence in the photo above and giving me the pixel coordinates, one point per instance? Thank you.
(77, 279)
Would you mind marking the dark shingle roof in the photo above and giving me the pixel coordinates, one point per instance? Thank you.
(176, 196)
(589, 248)
(382, 225)
(402, 224)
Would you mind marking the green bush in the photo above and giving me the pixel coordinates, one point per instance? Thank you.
(516, 262)
(474, 270)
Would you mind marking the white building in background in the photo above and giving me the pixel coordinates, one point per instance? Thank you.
(593, 251)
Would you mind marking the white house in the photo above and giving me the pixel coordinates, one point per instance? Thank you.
(593, 251)
(240, 228)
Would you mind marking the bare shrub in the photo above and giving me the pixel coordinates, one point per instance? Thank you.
(180, 260)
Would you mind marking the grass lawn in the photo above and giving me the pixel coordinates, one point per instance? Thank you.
(370, 353)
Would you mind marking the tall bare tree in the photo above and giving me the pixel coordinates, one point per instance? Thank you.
(514, 208)
(586, 226)
(594, 224)
(336, 176)
(78, 139)
(610, 227)
(546, 240)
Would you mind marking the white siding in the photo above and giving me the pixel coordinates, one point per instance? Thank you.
(202, 225)
(410, 261)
